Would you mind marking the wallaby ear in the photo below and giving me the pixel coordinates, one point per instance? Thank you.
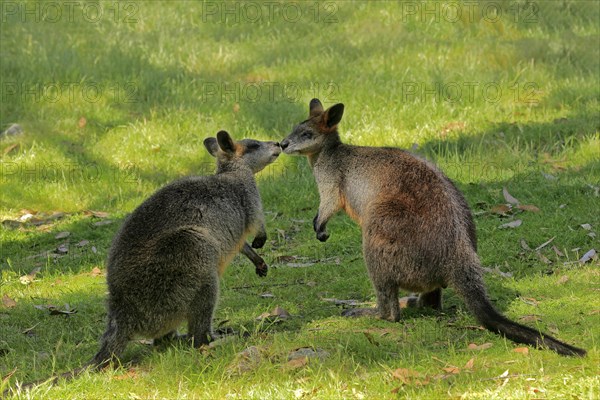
(314, 107)
(225, 142)
(212, 146)
(333, 115)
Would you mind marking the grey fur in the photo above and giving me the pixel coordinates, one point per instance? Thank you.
(165, 262)
(418, 232)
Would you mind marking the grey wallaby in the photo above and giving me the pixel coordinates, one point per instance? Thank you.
(417, 229)
(165, 262)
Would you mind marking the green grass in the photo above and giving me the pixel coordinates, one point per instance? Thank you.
(172, 73)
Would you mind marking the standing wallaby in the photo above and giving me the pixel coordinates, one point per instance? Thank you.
(418, 232)
(165, 262)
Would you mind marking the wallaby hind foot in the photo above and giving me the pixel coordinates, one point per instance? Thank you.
(360, 312)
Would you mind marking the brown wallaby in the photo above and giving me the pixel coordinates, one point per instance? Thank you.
(165, 262)
(417, 229)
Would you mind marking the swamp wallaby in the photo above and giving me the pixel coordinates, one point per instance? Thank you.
(165, 262)
(417, 229)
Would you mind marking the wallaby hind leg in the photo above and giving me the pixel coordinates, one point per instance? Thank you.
(201, 311)
(387, 303)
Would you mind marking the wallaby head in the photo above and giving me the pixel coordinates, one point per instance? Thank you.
(311, 135)
(251, 153)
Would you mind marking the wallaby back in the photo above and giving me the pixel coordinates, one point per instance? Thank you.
(418, 231)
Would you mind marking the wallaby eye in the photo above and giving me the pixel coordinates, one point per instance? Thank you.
(306, 134)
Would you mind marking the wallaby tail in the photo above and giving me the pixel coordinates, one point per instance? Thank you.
(470, 286)
(113, 343)
(67, 376)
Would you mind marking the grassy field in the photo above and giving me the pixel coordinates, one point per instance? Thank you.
(113, 100)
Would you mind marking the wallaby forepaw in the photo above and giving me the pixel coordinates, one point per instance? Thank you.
(261, 269)
(259, 242)
(322, 236)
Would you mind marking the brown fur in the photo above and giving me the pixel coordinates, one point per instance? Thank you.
(417, 228)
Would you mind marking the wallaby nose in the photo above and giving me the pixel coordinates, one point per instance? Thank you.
(284, 144)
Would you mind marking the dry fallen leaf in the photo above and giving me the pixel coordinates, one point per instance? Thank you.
(62, 249)
(300, 265)
(55, 310)
(588, 256)
(338, 302)
(546, 243)
(469, 364)
(278, 314)
(284, 259)
(513, 224)
(501, 209)
(557, 251)
(522, 350)
(297, 363)
(246, 360)
(62, 235)
(510, 199)
(8, 302)
(97, 214)
(27, 279)
(129, 374)
(543, 258)
(563, 279)
(82, 122)
(10, 148)
(102, 223)
(452, 370)
(308, 352)
(96, 272)
(529, 300)
(410, 377)
(524, 245)
(473, 346)
(587, 227)
(528, 207)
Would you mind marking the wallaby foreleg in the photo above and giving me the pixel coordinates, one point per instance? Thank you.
(259, 263)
